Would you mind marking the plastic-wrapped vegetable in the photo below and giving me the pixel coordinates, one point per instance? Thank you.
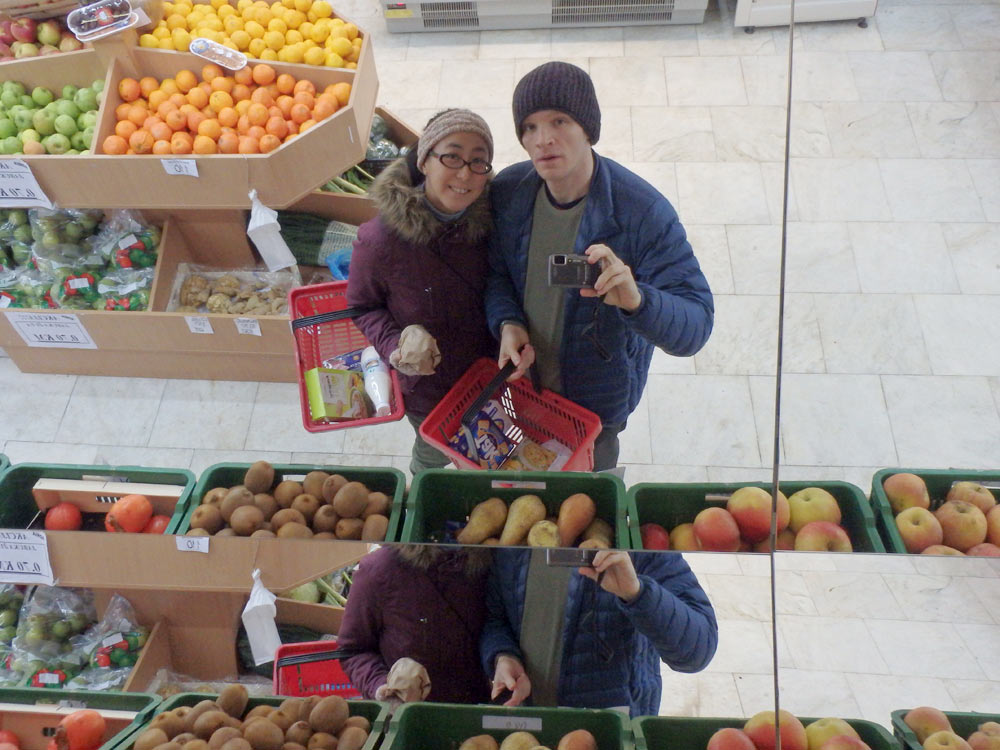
(126, 242)
(380, 128)
(76, 290)
(14, 227)
(11, 599)
(58, 260)
(20, 252)
(26, 287)
(43, 648)
(382, 149)
(113, 645)
(53, 227)
(6, 264)
(124, 289)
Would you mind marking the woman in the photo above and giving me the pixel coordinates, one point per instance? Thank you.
(420, 265)
(422, 603)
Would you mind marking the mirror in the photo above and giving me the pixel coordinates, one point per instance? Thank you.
(890, 319)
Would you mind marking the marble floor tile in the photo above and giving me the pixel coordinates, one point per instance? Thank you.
(699, 694)
(988, 593)
(809, 137)
(524, 65)
(975, 256)
(967, 76)
(712, 250)
(744, 338)
(824, 77)
(864, 595)
(874, 563)
(223, 408)
(669, 134)
(803, 562)
(276, 424)
(661, 41)
(343, 459)
(640, 473)
(986, 177)
(840, 36)
(871, 334)
(754, 564)
(635, 439)
(506, 148)
(514, 43)
(899, 258)
(930, 190)
(840, 420)
(124, 455)
(444, 45)
(773, 174)
(950, 336)
(803, 693)
(917, 28)
(20, 452)
(739, 597)
(755, 253)
(203, 459)
(707, 418)
(744, 646)
(792, 595)
(389, 439)
(879, 695)
(936, 599)
(661, 175)
(859, 130)
(705, 563)
(766, 79)
(894, 77)
(704, 81)
(969, 567)
(588, 42)
(721, 193)
(410, 86)
(859, 476)
(18, 389)
(111, 411)
(616, 134)
(666, 364)
(978, 26)
(819, 258)
(388, 47)
(839, 190)
(840, 644)
(748, 133)
(629, 81)
(729, 474)
(718, 36)
(975, 695)
(899, 642)
(762, 398)
(984, 642)
(951, 130)
(939, 421)
(476, 83)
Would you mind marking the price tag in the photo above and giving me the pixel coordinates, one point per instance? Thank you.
(192, 543)
(517, 723)
(24, 557)
(52, 330)
(248, 326)
(199, 324)
(126, 242)
(186, 167)
(111, 640)
(79, 283)
(18, 186)
(502, 484)
(48, 678)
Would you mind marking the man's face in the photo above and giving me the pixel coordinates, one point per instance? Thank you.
(556, 143)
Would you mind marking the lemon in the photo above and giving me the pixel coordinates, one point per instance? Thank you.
(183, 8)
(256, 46)
(168, 9)
(352, 30)
(294, 19)
(148, 40)
(242, 5)
(340, 45)
(338, 32)
(320, 33)
(227, 11)
(278, 9)
(166, 44)
(232, 24)
(303, 5)
(161, 32)
(314, 56)
(274, 40)
(263, 16)
(292, 36)
(322, 9)
(353, 57)
(305, 29)
(351, 66)
(213, 23)
(333, 60)
(176, 21)
(181, 40)
(295, 53)
(290, 4)
(268, 54)
(241, 39)
(308, 44)
(338, 21)
(276, 24)
(254, 29)
(218, 3)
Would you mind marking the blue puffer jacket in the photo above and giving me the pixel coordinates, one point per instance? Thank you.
(671, 620)
(631, 217)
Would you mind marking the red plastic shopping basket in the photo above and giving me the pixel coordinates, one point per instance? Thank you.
(323, 328)
(537, 414)
(311, 668)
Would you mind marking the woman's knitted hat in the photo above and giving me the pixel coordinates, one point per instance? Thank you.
(559, 86)
(449, 121)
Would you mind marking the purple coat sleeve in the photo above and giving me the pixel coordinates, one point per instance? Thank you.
(360, 630)
(366, 288)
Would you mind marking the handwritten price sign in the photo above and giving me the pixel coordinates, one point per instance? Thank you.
(24, 557)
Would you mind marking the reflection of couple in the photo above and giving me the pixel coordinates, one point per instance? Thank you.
(547, 635)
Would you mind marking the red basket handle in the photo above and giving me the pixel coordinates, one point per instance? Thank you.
(312, 320)
(336, 653)
(469, 416)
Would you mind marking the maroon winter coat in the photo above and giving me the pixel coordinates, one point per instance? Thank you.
(426, 603)
(414, 269)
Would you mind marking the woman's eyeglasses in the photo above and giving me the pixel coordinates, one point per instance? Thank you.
(454, 161)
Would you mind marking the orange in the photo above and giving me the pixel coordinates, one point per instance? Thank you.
(181, 143)
(161, 147)
(114, 144)
(194, 120)
(242, 106)
(176, 120)
(262, 96)
(220, 100)
(148, 85)
(342, 91)
(257, 114)
(276, 126)
(306, 125)
(177, 99)
(272, 89)
(130, 152)
(285, 83)
(228, 117)
(243, 125)
(240, 92)
(161, 131)
(208, 111)
(223, 83)
(185, 108)
(210, 71)
(157, 98)
(185, 80)
(164, 108)
(210, 128)
(121, 111)
(229, 143)
(169, 85)
(244, 76)
(304, 97)
(141, 141)
(256, 132)
(197, 97)
(204, 145)
(128, 89)
(248, 145)
(263, 74)
(323, 109)
(125, 128)
(290, 136)
(300, 113)
(275, 111)
(304, 86)
(150, 121)
(137, 114)
(268, 143)
(293, 127)
(285, 103)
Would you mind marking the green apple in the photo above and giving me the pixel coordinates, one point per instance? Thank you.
(67, 107)
(8, 99)
(69, 91)
(27, 101)
(98, 85)
(7, 128)
(30, 134)
(23, 119)
(88, 137)
(41, 96)
(812, 504)
(87, 120)
(66, 125)
(10, 145)
(44, 122)
(77, 140)
(86, 100)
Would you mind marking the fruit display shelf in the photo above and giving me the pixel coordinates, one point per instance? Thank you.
(938, 483)
(962, 723)
(672, 504)
(693, 733)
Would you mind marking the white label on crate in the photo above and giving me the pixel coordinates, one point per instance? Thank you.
(501, 484)
(79, 283)
(517, 723)
(192, 543)
(24, 557)
(186, 167)
(111, 640)
(248, 326)
(292, 477)
(199, 324)
(52, 330)
(48, 678)
(126, 242)
(18, 186)
(4, 301)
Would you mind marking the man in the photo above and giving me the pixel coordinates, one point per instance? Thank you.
(593, 346)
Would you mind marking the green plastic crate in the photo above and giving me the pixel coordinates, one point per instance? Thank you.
(143, 705)
(962, 723)
(377, 713)
(444, 726)
(693, 733)
(672, 504)
(17, 506)
(441, 495)
(386, 479)
(4, 463)
(938, 482)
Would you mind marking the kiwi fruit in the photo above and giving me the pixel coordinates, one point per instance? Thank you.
(206, 724)
(358, 721)
(322, 741)
(245, 520)
(169, 746)
(286, 515)
(306, 706)
(307, 505)
(351, 500)
(185, 737)
(324, 535)
(150, 739)
(236, 497)
(171, 724)
(299, 732)
(207, 517)
(267, 504)
(193, 744)
(197, 710)
(222, 735)
(293, 746)
(233, 698)
(197, 532)
(333, 483)
(263, 533)
(259, 477)
(349, 528)
(262, 712)
(378, 504)
(325, 519)
(182, 711)
(313, 483)
(264, 734)
(214, 496)
(329, 714)
(287, 491)
(225, 532)
(374, 528)
(294, 530)
(352, 738)
(291, 707)
(236, 743)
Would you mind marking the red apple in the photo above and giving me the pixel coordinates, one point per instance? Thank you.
(730, 739)
(945, 740)
(918, 528)
(844, 742)
(985, 549)
(69, 43)
(48, 32)
(964, 525)
(751, 509)
(822, 536)
(48, 49)
(993, 526)
(991, 728)
(786, 541)
(973, 492)
(25, 49)
(982, 741)
(906, 491)
(925, 721)
(23, 29)
(5, 36)
(5, 50)
(760, 729)
(654, 536)
(812, 504)
(821, 730)
(682, 538)
(941, 549)
(716, 530)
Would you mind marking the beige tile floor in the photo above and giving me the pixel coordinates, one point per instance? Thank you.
(892, 321)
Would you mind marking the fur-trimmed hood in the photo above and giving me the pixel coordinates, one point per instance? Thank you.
(471, 561)
(402, 206)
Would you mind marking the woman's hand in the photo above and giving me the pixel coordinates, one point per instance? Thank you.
(510, 675)
(515, 346)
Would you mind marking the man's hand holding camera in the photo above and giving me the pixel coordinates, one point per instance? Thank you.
(614, 573)
(616, 284)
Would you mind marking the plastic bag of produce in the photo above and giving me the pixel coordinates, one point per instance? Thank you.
(14, 230)
(26, 287)
(237, 292)
(125, 289)
(11, 600)
(76, 290)
(6, 264)
(113, 645)
(126, 241)
(57, 260)
(382, 149)
(63, 226)
(43, 648)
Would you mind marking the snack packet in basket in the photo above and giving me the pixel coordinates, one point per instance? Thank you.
(486, 442)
